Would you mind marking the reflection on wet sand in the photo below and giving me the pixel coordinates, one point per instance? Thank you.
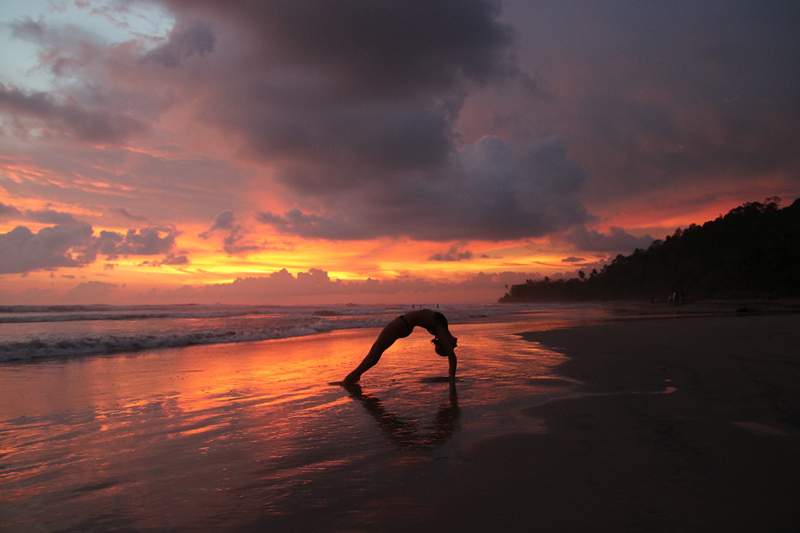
(405, 432)
(210, 437)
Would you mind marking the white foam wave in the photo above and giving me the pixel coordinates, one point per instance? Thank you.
(60, 332)
(59, 348)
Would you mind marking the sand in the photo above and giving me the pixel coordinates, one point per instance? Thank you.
(687, 424)
(716, 450)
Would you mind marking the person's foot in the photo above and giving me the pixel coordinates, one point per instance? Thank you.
(350, 380)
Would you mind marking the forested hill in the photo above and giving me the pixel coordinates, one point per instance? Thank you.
(753, 251)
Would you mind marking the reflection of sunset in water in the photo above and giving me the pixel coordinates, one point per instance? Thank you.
(218, 435)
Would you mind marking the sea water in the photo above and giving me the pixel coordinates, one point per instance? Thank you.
(29, 333)
(249, 434)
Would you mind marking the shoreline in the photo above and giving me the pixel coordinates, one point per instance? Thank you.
(719, 452)
(25, 340)
(251, 436)
(128, 345)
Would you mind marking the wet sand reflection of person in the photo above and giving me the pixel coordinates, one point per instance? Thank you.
(404, 432)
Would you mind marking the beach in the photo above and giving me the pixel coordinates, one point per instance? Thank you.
(688, 424)
(569, 421)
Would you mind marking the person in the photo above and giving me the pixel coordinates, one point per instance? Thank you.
(435, 322)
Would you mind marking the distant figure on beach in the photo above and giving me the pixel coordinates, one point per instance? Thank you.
(435, 322)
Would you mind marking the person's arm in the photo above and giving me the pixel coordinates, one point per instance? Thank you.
(453, 364)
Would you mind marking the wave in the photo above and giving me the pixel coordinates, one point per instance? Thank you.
(86, 317)
(35, 333)
(38, 349)
(85, 313)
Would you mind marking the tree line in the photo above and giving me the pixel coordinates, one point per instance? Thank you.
(752, 251)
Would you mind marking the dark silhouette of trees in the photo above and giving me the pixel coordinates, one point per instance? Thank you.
(752, 251)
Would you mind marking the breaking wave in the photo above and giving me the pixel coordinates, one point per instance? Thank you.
(35, 333)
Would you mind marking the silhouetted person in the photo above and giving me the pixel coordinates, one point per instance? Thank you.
(404, 432)
(433, 321)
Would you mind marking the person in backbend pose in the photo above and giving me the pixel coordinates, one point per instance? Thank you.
(443, 341)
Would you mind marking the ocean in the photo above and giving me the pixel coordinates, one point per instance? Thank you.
(34, 333)
(188, 427)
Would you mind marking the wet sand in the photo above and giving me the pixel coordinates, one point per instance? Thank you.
(248, 435)
(686, 424)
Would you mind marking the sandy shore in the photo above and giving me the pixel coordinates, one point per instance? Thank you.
(685, 424)
(716, 450)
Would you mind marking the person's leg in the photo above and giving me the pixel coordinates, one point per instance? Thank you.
(385, 339)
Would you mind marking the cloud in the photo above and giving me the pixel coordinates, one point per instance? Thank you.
(22, 250)
(358, 121)
(223, 222)
(152, 240)
(616, 240)
(312, 287)
(49, 216)
(92, 292)
(124, 213)
(45, 216)
(454, 253)
(661, 103)
(316, 286)
(234, 234)
(357, 127)
(573, 259)
(8, 211)
(67, 118)
(494, 190)
(363, 95)
(175, 259)
(74, 244)
(171, 259)
(28, 29)
(182, 44)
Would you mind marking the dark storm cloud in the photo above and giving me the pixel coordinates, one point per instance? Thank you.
(182, 44)
(384, 46)
(364, 87)
(498, 191)
(67, 118)
(354, 105)
(664, 96)
(296, 222)
(616, 240)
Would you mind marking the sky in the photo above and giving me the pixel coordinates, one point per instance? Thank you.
(367, 151)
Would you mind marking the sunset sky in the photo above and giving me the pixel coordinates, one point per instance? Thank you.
(289, 151)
